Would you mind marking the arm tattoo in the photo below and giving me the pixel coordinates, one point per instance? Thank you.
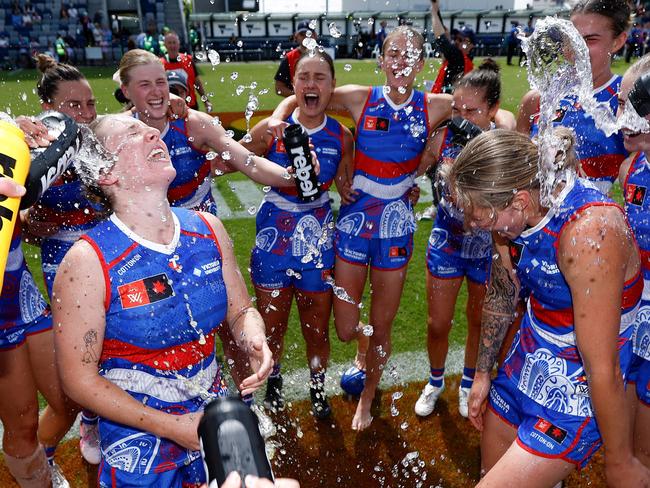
(498, 314)
(90, 342)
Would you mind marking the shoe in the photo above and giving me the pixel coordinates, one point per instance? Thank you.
(273, 399)
(266, 425)
(319, 404)
(429, 213)
(58, 480)
(463, 396)
(427, 401)
(89, 442)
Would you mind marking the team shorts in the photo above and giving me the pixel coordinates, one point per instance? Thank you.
(189, 476)
(272, 272)
(446, 266)
(380, 253)
(541, 431)
(639, 376)
(15, 335)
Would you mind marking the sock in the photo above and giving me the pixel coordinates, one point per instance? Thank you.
(248, 400)
(468, 378)
(317, 379)
(30, 472)
(49, 454)
(275, 372)
(88, 417)
(436, 377)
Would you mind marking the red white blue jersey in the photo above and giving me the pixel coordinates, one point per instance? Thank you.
(163, 306)
(600, 156)
(390, 140)
(637, 208)
(65, 204)
(21, 301)
(448, 233)
(193, 184)
(286, 225)
(544, 361)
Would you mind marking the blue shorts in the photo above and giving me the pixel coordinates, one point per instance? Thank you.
(189, 476)
(446, 266)
(639, 375)
(15, 335)
(272, 271)
(52, 253)
(541, 431)
(385, 254)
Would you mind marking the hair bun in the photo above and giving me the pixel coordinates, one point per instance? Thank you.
(489, 64)
(45, 62)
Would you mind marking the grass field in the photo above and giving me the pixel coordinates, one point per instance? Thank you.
(18, 96)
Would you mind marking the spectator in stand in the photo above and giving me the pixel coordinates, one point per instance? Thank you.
(457, 58)
(175, 60)
(634, 43)
(287, 68)
(73, 12)
(16, 17)
(115, 25)
(381, 35)
(195, 38)
(63, 13)
(61, 49)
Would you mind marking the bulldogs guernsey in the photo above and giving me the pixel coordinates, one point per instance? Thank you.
(192, 187)
(600, 156)
(390, 140)
(163, 306)
(448, 234)
(287, 226)
(544, 362)
(637, 208)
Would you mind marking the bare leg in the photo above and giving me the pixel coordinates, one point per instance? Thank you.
(476, 294)
(352, 279)
(275, 312)
(642, 433)
(386, 293)
(441, 299)
(315, 310)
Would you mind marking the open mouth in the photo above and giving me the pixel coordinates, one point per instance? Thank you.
(157, 155)
(156, 104)
(311, 100)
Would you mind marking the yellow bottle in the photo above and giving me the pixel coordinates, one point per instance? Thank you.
(14, 164)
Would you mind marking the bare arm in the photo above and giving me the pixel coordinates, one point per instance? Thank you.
(505, 119)
(260, 138)
(623, 170)
(79, 318)
(198, 84)
(344, 173)
(246, 324)
(438, 27)
(431, 153)
(528, 108)
(258, 169)
(597, 255)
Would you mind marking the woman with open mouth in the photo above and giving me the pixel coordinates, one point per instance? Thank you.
(156, 282)
(375, 231)
(297, 236)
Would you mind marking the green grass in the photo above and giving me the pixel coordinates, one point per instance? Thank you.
(17, 95)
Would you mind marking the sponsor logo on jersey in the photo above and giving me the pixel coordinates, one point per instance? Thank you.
(129, 264)
(279, 146)
(145, 291)
(376, 123)
(328, 150)
(635, 194)
(397, 252)
(515, 249)
(553, 432)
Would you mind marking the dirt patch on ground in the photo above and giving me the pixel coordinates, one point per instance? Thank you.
(397, 451)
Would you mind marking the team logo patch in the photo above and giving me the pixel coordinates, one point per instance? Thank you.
(279, 146)
(635, 194)
(515, 249)
(397, 252)
(551, 431)
(145, 291)
(376, 123)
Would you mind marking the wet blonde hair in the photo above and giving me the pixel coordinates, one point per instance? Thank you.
(132, 59)
(410, 33)
(498, 163)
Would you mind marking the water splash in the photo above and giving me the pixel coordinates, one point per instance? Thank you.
(92, 160)
(335, 32)
(339, 291)
(214, 57)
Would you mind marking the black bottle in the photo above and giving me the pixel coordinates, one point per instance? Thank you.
(50, 162)
(296, 143)
(231, 441)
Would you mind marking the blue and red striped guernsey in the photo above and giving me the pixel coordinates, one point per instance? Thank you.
(282, 217)
(637, 208)
(390, 140)
(600, 156)
(192, 186)
(544, 361)
(163, 307)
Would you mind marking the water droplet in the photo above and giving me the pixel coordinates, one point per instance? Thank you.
(226, 155)
(275, 293)
(214, 57)
(368, 330)
(247, 138)
(240, 43)
(200, 56)
(211, 155)
(335, 32)
(252, 210)
(266, 189)
(234, 75)
(347, 67)
(309, 43)
(404, 425)
(230, 133)
(397, 395)
(23, 96)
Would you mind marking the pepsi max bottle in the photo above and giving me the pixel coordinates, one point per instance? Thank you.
(296, 143)
(231, 441)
